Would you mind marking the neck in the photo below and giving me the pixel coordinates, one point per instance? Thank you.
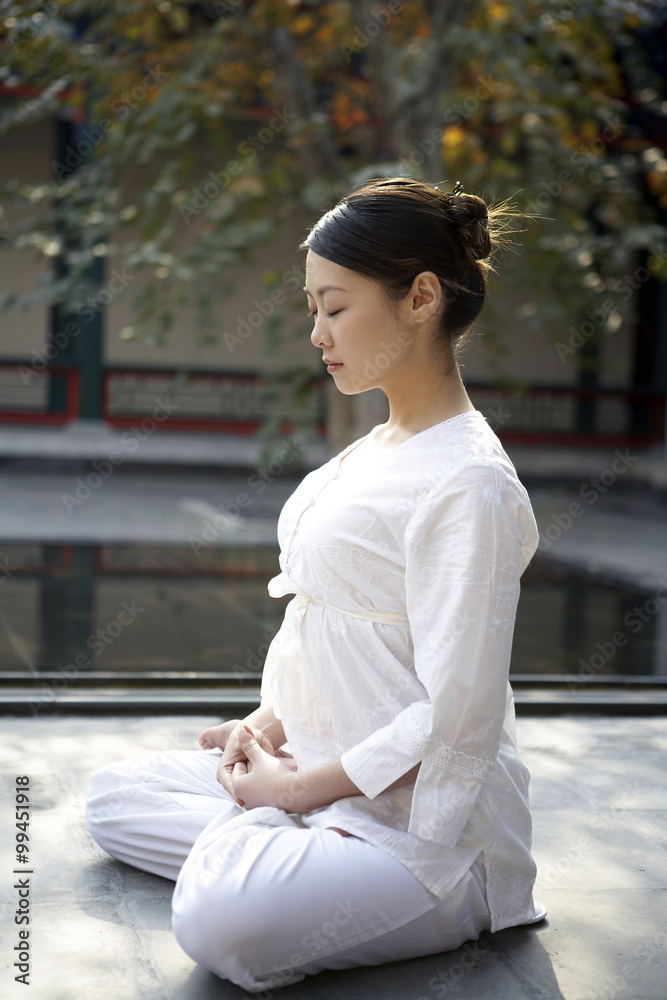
(427, 398)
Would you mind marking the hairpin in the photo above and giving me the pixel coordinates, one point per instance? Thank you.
(458, 187)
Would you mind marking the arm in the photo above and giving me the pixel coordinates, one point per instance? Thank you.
(263, 780)
(264, 719)
(465, 548)
(465, 551)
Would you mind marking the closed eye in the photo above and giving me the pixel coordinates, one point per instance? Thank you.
(328, 315)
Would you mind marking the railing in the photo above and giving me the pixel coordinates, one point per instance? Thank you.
(207, 628)
(49, 395)
(240, 402)
(570, 415)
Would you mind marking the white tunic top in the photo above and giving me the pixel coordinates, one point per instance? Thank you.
(396, 650)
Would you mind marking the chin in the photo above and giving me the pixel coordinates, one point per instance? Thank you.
(355, 386)
(355, 392)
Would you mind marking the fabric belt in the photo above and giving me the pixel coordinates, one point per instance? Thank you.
(281, 585)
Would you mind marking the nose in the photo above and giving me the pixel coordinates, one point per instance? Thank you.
(319, 336)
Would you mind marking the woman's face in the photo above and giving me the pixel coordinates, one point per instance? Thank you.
(354, 326)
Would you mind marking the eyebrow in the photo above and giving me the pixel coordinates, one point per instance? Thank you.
(325, 288)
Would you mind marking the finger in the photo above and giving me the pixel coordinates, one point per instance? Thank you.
(229, 757)
(226, 781)
(249, 746)
(225, 778)
(233, 751)
(239, 770)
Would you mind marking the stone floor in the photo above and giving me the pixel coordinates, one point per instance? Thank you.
(100, 930)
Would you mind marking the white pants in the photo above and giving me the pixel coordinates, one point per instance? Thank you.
(259, 899)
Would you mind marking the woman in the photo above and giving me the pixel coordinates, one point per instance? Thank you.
(375, 806)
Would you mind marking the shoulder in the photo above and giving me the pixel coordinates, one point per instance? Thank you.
(471, 477)
(469, 439)
(465, 454)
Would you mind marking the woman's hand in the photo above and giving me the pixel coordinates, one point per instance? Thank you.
(261, 721)
(235, 753)
(262, 778)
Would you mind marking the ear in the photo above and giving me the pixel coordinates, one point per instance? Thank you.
(424, 297)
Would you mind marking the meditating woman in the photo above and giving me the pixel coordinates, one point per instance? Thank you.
(375, 806)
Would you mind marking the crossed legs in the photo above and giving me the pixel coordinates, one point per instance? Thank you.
(259, 899)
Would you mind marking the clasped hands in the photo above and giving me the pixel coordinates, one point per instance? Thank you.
(252, 769)
(256, 772)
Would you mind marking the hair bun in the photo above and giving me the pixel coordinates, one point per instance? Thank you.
(472, 217)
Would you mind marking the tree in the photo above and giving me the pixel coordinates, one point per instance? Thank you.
(529, 97)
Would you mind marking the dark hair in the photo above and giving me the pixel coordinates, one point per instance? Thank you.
(391, 229)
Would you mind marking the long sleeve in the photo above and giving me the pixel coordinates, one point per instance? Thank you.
(466, 545)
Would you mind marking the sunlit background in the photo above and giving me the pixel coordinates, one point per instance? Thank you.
(159, 394)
